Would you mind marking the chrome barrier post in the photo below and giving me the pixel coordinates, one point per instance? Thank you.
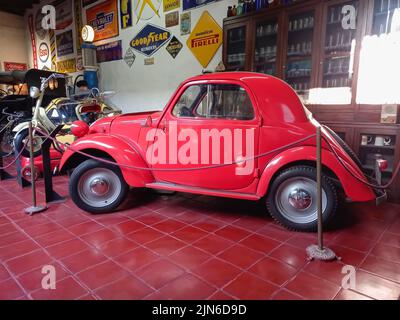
(34, 208)
(318, 251)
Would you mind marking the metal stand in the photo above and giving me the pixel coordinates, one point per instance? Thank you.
(4, 175)
(20, 179)
(51, 195)
(34, 208)
(319, 252)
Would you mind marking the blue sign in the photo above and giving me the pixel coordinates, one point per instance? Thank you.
(102, 20)
(64, 43)
(150, 39)
(109, 52)
(191, 4)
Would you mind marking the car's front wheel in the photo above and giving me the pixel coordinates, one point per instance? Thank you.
(97, 187)
(292, 199)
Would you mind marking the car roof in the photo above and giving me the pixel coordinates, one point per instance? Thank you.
(231, 75)
(277, 101)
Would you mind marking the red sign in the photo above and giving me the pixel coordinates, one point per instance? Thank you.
(11, 66)
(33, 41)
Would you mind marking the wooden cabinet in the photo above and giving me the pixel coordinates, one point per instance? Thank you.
(315, 45)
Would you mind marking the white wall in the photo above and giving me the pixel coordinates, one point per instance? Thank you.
(13, 39)
(149, 87)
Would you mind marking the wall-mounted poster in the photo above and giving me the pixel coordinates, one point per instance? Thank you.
(44, 52)
(104, 19)
(205, 39)
(150, 39)
(66, 66)
(78, 25)
(125, 7)
(129, 57)
(11, 66)
(33, 41)
(63, 13)
(174, 47)
(170, 5)
(186, 23)
(109, 52)
(146, 9)
(64, 43)
(149, 61)
(172, 19)
(85, 3)
(191, 4)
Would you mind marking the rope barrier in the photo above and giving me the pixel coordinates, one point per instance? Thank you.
(285, 147)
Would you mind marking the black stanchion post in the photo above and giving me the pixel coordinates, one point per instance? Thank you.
(20, 178)
(51, 195)
(34, 208)
(320, 252)
(4, 175)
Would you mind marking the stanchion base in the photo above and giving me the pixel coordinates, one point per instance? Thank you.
(326, 254)
(32, 210)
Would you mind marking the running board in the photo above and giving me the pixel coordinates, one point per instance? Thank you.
(203, 191)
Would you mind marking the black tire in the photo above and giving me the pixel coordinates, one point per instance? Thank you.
(6, 143)
(345, 146)
(19, 144)
(111, 175)
(306, 177)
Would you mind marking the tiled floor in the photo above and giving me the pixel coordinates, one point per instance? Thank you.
(189, 247)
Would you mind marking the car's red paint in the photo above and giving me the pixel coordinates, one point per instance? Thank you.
(79, 128)
(280, 119)
(55, 157)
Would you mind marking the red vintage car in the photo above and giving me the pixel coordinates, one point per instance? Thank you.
(229, 134)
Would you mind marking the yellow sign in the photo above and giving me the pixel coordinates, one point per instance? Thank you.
(170, 5)
(66, 66)
(205, 39)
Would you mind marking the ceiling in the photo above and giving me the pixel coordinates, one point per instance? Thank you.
(16, 6)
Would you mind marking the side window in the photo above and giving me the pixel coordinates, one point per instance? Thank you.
(188, 101)
(225, 101)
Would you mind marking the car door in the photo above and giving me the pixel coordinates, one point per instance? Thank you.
(208, 132)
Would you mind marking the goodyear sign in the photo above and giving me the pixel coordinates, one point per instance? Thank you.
(150, 39)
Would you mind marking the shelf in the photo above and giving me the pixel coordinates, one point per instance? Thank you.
(266, 35)
(298, 77)
(336, 74)
(301, 30)
(377, 147)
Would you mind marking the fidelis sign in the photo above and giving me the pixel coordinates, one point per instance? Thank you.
(150, 39)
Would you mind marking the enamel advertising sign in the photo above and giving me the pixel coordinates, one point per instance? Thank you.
(150, 39)
(170, 5)
(65, 43)
(109, 52)
(104, 20)
(205, 39)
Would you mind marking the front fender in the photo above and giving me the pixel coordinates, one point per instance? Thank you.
(21, 126)
(117, 149)
(353, 189)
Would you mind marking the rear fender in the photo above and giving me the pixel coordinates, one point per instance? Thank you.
(117, 149)
(353, 189)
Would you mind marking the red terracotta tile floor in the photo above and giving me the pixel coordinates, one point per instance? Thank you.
(182, 246)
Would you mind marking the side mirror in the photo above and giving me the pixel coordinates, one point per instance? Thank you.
(34, 92)
(148, 122)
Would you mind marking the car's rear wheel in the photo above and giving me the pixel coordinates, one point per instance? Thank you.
(97, 187)
(292, 199)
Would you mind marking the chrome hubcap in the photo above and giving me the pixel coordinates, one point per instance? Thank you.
(300, 199)
(296, 200)
(99, 187)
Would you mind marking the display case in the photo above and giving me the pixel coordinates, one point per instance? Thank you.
(236, 39)
(266, 46)
(299, 51)
(383, 13)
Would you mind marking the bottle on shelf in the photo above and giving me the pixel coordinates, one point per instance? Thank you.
(234, 11)
(229, 12)
(239, 8)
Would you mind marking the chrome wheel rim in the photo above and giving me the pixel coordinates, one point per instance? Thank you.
(37, 143)
(296, 200)
(99, 187)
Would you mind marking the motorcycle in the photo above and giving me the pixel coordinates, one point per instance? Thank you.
(39, 119)
(8, 122)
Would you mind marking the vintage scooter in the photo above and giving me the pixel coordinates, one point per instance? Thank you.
(39, 120)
